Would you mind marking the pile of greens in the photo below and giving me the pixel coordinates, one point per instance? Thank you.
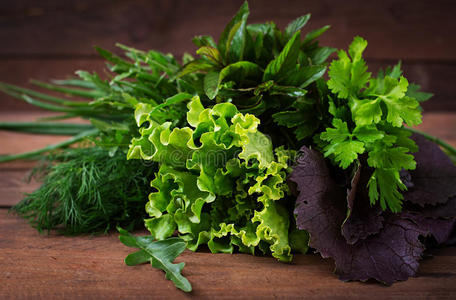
(248, 147)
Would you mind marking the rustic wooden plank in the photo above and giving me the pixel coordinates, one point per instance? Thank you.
(50, 267)
(434, 77)
(395, 29)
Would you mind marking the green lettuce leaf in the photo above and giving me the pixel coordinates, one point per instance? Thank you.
(220, 183)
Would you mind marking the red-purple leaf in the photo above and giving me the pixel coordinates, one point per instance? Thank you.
(434, 180)
(387, 251)
(362, 219)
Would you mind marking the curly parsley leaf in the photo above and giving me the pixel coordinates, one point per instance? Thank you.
(341, 144)
(401, 108)
(348, 76)
(378, 109)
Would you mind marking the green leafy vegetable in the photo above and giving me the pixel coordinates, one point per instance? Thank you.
(264, 82)
(219, 182)
(87, 190)
(378, 109)
(160, 254)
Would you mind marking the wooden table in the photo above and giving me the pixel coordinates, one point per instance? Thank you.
(91, 267)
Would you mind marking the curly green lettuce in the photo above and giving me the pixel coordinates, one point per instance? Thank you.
(220, 183)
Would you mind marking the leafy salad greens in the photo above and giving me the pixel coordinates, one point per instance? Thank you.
(248, 147)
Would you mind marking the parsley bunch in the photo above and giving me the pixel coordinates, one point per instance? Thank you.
(368, 117)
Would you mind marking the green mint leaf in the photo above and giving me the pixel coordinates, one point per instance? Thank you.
(285, 61)
(211, 85)
(232, 41)
(315, 34)
(204, 40)
(161, 255)
(296, 25)
(304, 76)
(238, 71)
(198, 65)
(211, 53)
(320, 55)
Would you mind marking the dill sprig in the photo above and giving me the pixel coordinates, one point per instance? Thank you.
(85, 190)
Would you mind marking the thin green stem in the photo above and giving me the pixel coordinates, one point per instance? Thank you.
(34, 153)
(450, 149)
(52, 128)
(9, 87)
(90, 94)
(75, 82)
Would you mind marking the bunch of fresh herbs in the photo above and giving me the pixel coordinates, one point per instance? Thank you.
(247, 147)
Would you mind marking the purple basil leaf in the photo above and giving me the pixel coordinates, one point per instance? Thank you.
(445, 210)
(388, 256)
(362, 219)
(320, 203)
(435, 176)
(440, 229)
(406, 178)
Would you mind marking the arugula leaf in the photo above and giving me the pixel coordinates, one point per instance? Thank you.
(160, 254)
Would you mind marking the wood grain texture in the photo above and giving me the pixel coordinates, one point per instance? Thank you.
(395, 29)
(56, 267)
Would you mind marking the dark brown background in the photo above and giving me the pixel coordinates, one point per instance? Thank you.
(51, 39)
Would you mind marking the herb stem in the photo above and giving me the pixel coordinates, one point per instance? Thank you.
(52, 128)
(450, 149)
(31, 154)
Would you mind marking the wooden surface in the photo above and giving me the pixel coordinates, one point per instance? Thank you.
(91, 267)
(52, 38)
